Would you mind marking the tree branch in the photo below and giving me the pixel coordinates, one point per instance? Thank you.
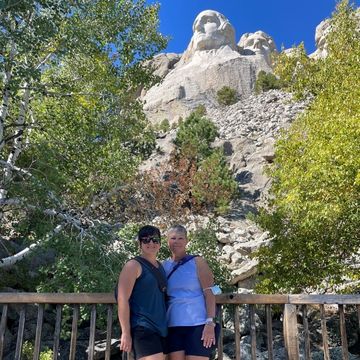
(12, 260)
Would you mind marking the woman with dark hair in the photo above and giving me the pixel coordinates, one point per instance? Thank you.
(192, 329)
(141, 300)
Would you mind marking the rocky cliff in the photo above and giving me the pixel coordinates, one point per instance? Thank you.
(247, 130)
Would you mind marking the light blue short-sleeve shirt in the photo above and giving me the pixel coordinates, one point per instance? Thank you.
(186, 302)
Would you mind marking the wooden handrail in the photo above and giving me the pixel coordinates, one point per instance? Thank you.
(108, 298)
(57, 298)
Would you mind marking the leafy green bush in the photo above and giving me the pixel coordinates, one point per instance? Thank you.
(200, 110)
(84, 265)
(213, 183)
(315, 194)
(227, 96)
(195, 135)
(28, 352)
(297, 72)
(164, 126)
(266, 81)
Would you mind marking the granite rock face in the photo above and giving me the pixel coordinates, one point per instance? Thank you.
(211, 61)
(257, 43)
(320, 40)
(247, 133)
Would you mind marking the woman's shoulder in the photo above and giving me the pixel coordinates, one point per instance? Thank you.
(132, 265)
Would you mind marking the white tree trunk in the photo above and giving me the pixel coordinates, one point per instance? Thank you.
(17, 144)
(12, 260)
(6, 94)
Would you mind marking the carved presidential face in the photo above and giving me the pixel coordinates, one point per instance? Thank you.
(321, 32)
(211, 31)
(256, 43)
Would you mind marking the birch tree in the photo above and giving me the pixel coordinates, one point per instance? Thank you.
(71, 128)
(314, 219)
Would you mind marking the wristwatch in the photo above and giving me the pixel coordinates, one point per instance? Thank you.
(210, 321)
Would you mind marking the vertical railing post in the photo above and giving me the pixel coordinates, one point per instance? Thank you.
(220, 347)
(291, 335)
(3, 328)
(269, 333)
(252, 331)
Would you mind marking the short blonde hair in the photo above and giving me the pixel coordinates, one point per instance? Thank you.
(178, 228)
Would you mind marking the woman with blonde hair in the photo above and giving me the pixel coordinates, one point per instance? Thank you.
(191, 302)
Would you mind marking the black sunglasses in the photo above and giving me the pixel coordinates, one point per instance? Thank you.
(147, 240)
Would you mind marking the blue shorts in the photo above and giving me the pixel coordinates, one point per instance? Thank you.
(146, 342)
(188, 339)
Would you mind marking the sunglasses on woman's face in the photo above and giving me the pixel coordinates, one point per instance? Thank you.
(146, 240)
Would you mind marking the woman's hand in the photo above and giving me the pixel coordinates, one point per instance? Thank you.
(208, 335)
(125, 342)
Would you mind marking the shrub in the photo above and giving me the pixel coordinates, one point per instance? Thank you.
(164, 191)
(227, 96)
(28, 352)
(200, 110)
(213, 183)
(195, 135)
(266, 81)
(164, 125)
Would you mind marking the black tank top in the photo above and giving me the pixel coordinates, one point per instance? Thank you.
(147, 303)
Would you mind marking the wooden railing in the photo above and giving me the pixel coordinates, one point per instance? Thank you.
(292, 305)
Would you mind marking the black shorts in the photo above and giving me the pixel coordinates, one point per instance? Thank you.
(188, 339)
(146, 342)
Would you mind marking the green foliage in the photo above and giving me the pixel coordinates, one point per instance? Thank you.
(195, 135)
(203, 242)
(296, 71)
(213, 183)
(73, 130)
(200, 110)
(227, 96)
(28, 352)
(266, 81)
(89, 265)
(164, 126)
(315, 204)
(196, 178)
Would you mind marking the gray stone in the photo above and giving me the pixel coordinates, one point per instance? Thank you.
(247, 269)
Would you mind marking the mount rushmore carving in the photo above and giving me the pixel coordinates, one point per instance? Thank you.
(212, 60)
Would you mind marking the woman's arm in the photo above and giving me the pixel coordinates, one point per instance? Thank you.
(206, 279)
(130, 272)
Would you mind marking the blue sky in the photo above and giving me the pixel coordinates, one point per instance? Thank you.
(288, 21)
